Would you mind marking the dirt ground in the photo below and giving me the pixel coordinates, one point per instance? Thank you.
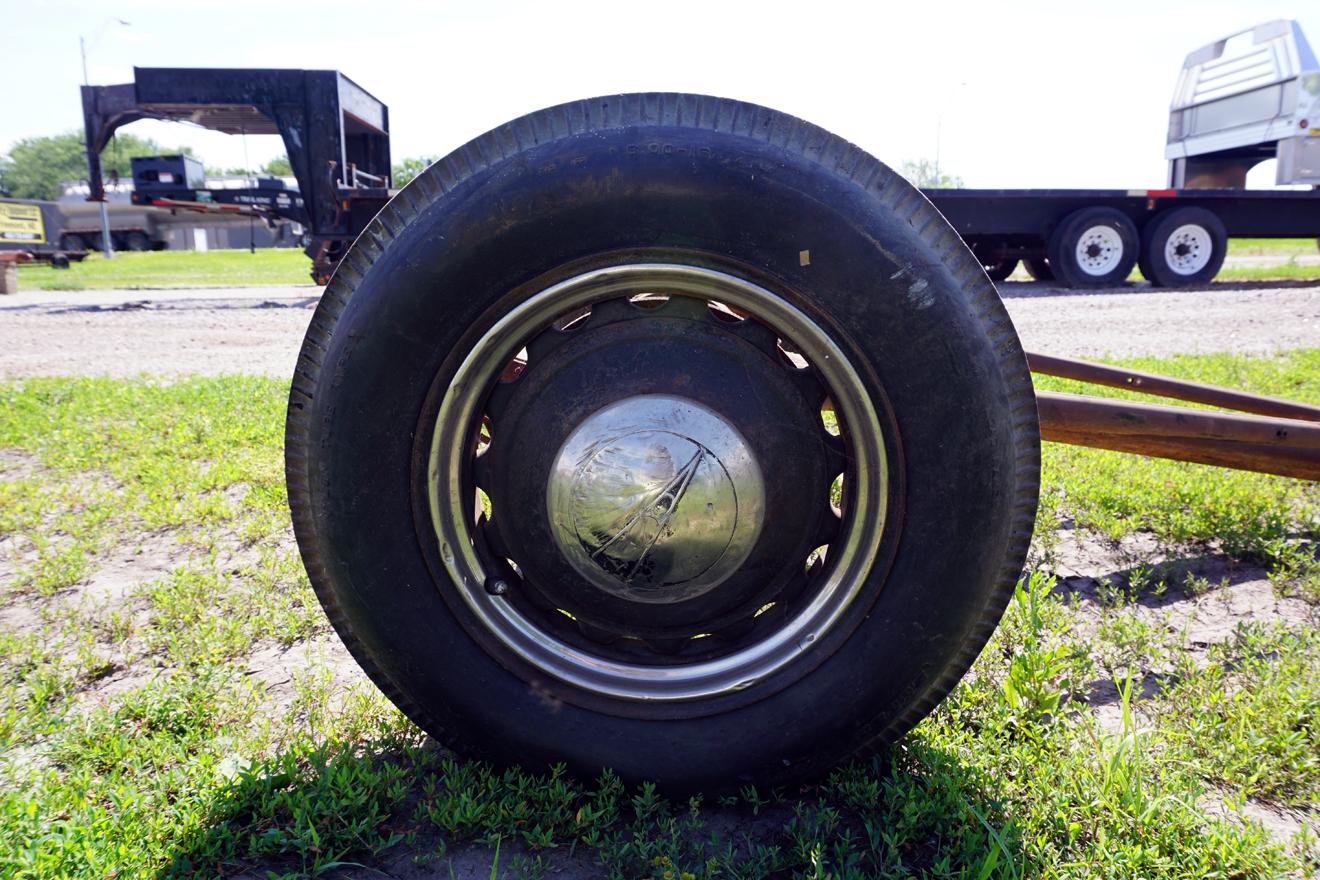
(258, 329)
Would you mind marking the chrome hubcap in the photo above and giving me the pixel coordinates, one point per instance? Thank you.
(655, 499)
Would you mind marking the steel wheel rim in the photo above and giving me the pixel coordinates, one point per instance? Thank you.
(1099, 250)
(850, 559)
(1188, 249)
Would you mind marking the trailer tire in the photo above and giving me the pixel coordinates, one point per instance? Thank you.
(136, 241)
(561, 233)
(1183, 247)
(1093, 247)
(59, 261)
(1000, 269)
(1038, 268)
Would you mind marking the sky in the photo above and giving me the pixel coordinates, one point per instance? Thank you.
(1005, 94)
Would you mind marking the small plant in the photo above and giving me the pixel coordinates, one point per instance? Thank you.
(1296, 570)
(1035, 684)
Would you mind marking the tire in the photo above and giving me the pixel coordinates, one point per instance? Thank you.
(1183, 247)
(59, 261)
(136, 241)
(1093, 247)
(699, 663)
(70, 241)
(1039, 269)
(1000, 269)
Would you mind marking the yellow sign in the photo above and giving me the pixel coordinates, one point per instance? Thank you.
(21, 223)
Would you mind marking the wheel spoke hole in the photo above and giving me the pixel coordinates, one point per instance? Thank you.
(836, 493)
(829, 419)
(516, 366)
(483, 435)
(724, 313)
(649, 300)
(483, 504)
(815, 558)
(791, 355)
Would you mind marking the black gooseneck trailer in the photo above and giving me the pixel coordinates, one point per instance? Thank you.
(335, 133)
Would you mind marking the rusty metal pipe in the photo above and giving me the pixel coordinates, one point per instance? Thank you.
(1287, 447)
(1163, 386)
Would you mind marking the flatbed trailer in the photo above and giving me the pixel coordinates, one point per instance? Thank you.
(1247, 98)
(1005, 226)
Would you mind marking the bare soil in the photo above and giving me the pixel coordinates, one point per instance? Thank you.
(258, 330)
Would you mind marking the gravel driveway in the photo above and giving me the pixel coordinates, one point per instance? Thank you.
(258, 329)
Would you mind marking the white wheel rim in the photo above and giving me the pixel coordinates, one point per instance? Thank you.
(1099, 250)
(1188, 249)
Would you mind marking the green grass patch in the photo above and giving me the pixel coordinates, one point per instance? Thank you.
(1248, 514)
(172, 269)
(185, 768)
(1284, 247)
(1250, 719)
(1289, 271)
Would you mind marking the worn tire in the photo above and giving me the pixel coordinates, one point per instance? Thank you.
(1093, 247)
(665, 179)
(1183, 247)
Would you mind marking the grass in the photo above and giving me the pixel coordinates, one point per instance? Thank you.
(1285, 247)
(135, 740)
(172, 269)
(1292, 270)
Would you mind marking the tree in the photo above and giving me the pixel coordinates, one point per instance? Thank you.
(926, 174)
(278, 167)
(35, 167)
(406, 169)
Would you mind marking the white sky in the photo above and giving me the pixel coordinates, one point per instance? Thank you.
(1031, 94)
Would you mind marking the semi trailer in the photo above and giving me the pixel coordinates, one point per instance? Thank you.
(1239, 101)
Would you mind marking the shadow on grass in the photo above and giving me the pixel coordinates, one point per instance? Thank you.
(405, 809)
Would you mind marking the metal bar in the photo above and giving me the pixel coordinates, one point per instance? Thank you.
(1287, 447)
(1162, 386)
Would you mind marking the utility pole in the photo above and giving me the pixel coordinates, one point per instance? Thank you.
(106, 245)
